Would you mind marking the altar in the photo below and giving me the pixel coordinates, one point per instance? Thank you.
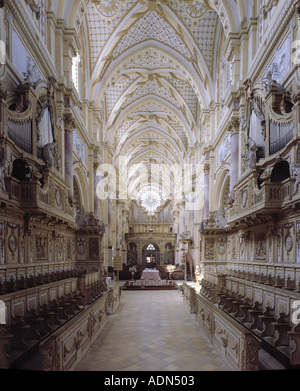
(150, 274)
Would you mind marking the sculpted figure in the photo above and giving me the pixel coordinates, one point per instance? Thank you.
(3, 170)
(198, 275)
(49, 153)
(295, 168)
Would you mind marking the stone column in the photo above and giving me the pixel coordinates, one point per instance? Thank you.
(96, 199)
(206, 190)
(118, 225)
(69, 170)
(123, 228)
(233, 129)
(183, 216)
(109, 221)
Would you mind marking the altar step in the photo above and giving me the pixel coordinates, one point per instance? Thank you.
(133, 286)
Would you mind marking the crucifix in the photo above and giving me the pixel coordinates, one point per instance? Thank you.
(152, 258)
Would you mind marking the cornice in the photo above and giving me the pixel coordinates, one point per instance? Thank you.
(233, 41)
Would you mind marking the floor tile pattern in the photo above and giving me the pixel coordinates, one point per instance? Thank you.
(152, 331)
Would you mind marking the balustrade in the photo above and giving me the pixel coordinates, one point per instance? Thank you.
(250, 199)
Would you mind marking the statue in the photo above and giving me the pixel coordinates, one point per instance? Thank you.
(4, 164)
(295, 168)
(252, 149)
(198, 276)
(269, 83)
(35, 174)
(250, 156)
(31, 76)
(49, 153)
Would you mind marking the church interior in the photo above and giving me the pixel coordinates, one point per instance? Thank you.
(149, 144)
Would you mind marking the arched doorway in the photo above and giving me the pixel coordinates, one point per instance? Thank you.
(150, 255)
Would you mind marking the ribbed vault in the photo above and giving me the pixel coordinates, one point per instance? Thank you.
(150, 70)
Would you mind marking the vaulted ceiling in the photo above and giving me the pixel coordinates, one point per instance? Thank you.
(150, 69)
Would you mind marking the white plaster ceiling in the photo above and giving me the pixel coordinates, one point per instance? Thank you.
(151, 65)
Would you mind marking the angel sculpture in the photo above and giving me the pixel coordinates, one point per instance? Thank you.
(295, 168)
(49, 153)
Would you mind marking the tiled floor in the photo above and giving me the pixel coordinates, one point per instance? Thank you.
(152, 331)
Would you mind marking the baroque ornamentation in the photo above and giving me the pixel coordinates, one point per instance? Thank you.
(41, 245)
(93, 248)
(209, 248)
(260, 249)
(107, 8)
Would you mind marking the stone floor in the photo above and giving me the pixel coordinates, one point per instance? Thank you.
(152, 331)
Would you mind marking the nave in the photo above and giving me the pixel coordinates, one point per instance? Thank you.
(154, 331)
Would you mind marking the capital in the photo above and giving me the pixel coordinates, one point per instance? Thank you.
(69, 122)
(233, 125)
(206, 169)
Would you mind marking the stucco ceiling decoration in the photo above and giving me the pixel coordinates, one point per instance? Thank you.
(152, 66)
(151, 129)
(164, 115)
